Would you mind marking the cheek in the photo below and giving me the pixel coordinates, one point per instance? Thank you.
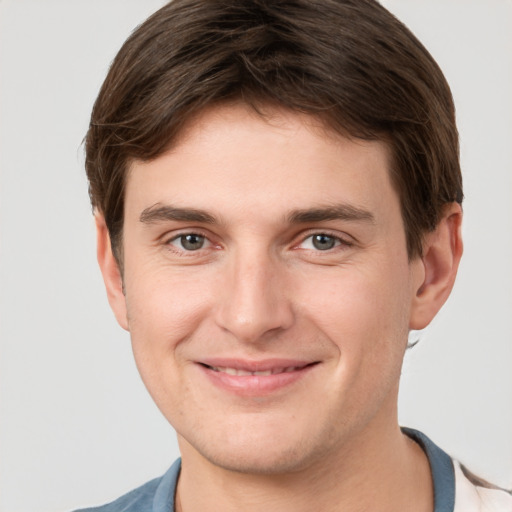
(164, 309)
(163, 314)
(364, 313)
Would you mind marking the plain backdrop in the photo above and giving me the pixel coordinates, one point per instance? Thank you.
(77, 426)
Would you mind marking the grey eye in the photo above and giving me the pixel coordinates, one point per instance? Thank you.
(323, 242)
(191, 242)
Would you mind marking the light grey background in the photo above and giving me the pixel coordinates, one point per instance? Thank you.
(77, 426)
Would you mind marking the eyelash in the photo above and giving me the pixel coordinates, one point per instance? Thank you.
(339, 241)
(182, 251)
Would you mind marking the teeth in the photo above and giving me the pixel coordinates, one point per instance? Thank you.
(234, 371)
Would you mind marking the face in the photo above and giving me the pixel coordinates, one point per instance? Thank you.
(268, 290)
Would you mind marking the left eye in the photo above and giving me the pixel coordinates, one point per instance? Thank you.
(320, 242)
(189, 242)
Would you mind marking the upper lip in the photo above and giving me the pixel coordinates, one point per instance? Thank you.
(254, 365)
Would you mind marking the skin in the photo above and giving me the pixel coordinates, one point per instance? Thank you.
(254, 286)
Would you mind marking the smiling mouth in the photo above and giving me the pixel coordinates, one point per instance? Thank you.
(255, 379)
(272, 371)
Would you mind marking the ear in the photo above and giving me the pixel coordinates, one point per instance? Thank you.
(442, 250)
(110, 271)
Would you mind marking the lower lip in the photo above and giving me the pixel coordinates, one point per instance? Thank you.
(255, 385)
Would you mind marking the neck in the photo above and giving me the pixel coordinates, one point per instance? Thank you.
(386, 472)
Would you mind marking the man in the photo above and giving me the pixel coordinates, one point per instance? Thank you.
(278, 202)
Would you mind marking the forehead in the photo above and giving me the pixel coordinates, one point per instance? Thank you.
(231, 156)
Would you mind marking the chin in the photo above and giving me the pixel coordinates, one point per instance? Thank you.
(258, 461)
(254, 450)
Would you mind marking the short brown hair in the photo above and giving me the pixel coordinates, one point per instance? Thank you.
(349, 62)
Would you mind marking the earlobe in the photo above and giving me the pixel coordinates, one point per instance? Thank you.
(442, 251)
(110, 271)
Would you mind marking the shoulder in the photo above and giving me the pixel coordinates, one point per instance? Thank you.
(455, 488)
(474, 495)
(154, 496)
(140, 500)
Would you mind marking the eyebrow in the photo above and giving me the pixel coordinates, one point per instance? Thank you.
(337, 212)
(158, 213)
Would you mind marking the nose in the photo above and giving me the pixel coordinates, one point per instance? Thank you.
(253, 303)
